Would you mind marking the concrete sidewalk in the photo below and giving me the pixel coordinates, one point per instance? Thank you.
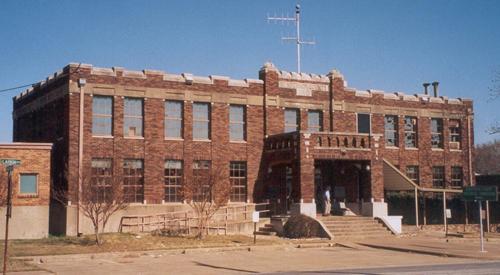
(449, 247)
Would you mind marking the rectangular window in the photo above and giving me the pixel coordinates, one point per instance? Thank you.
(173, 119)
(201, 173)
(391, 131)
(237, 118)
(173, 181)
(133, 117)
(292, 120)
(413, 173)
(201, 121)
(411, 127)
(436, 132)
(102, 115)
(457, 176)
(315, 121)
(133, 180)
(28, 184)
(364, 123)
(101, 179)
(438, 176)
(238, 180)
(455, 134)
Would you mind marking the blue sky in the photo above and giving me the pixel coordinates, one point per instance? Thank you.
(387, 45)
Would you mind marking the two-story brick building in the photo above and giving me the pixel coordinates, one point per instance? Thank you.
(282, 137)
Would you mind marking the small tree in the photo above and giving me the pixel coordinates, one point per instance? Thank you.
(100, 197)
(495, 95)
(207, 192)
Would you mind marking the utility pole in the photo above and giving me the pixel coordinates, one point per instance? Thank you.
(297, 39)
(9, 166)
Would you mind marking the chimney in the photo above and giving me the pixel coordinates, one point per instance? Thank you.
(435, 85)
(426, 88)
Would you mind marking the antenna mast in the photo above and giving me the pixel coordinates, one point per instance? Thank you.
(297, 39)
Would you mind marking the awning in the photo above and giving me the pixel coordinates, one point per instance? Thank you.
(395, 180)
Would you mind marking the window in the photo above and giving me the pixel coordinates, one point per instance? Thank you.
(133, 180)
(173, 119)
(133, 117)
(173, 181)
(436, 132)
(315, 121)
(201, 121)
(101, 179)
(292, 120)
(28, 184)
(391, 131)
(238, 179)
(413, 173)
(457, 176)
(102, 115)
(201, 172)
(237, 118)
(438, 176)
(411, 127)
(455, 134)
(363, 123)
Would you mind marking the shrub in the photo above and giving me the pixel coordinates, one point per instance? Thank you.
(302, 226)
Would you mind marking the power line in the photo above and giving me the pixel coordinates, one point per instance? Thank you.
(32, 84)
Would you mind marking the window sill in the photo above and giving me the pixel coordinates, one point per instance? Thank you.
(411, 149)
(456, 150)
(103, 136)
(134, 138)
(392, 147)
(437, 149)
(238, 141)
(174, 139)
(27, 196)
(202, 140)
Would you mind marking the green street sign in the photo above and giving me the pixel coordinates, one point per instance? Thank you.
(10, 162)
(481, 193)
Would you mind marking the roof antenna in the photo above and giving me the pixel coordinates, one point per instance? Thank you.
(297, 39)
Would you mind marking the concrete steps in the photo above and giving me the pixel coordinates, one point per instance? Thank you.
(267, 230)
(355, 227)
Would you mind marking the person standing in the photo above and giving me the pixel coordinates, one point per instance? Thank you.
(327, 202)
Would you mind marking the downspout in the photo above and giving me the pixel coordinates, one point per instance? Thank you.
(81, 84)
(470, 148)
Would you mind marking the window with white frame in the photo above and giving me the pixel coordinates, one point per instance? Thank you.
(391, 131)
(133, 117)
(455, 134)
(102, 179)
(438, 176)
(457, 176)
(173, 181)
(292, 120)
(102, 115)
(201, 173)
(412, 172)
(133, 180)
(314, 121)
(238, 180)
(201, 121)
(364, 123)
(411, 127)
(173, 119)
(436, 132)
(237, 118)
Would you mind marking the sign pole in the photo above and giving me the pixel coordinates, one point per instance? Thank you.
(7, 217)
(481, 225)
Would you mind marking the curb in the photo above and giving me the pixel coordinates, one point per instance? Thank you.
(425, 252)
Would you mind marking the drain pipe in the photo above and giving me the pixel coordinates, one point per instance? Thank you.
(81, 84)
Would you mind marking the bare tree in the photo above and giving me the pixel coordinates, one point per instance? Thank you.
(486, 158)
(208, 191)
(100, 197)
(3, 186)
(495, 95)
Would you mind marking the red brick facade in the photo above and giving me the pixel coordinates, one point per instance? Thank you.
(55, 104)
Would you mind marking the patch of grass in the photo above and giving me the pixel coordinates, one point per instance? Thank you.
(120, 242)
(16, 265)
